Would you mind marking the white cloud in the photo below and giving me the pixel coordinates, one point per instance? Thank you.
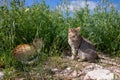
(77, 4)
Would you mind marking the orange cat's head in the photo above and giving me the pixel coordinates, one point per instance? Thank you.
(72, 32)
(38, 43)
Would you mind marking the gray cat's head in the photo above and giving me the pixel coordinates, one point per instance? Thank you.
(73, 33)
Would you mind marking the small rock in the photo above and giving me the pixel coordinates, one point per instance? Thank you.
(54, 70)
(19, 78)
(91, 67)
(100, 74)
(115, 70)
(74, 74)
(68, 68)
(1, 75)
(79, 72)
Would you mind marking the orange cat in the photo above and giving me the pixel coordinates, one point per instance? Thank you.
(26, 52)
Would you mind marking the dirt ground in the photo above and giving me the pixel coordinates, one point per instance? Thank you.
(61, 68)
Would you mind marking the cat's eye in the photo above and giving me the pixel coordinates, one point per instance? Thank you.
(73, 36)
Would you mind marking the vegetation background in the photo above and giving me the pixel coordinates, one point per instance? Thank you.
(21, 24)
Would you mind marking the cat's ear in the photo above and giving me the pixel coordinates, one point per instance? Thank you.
(78, 28)
(37, 40)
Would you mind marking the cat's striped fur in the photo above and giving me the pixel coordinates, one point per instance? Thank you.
(25, 52)
(79, 44)
(85, 48)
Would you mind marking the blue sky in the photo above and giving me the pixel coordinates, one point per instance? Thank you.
(51, 3)
(74, 4)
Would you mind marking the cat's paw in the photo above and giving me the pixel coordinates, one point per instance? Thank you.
(72, 57)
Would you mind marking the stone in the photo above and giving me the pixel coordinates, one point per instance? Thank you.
(100, 74)
(90, 67)
(1, 75)
(74, 74)
(66, 70)
(54, 70)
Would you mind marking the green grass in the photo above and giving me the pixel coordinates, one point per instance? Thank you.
(19, 24)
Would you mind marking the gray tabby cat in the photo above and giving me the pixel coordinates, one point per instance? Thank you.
(81, 45)
(84, 48)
